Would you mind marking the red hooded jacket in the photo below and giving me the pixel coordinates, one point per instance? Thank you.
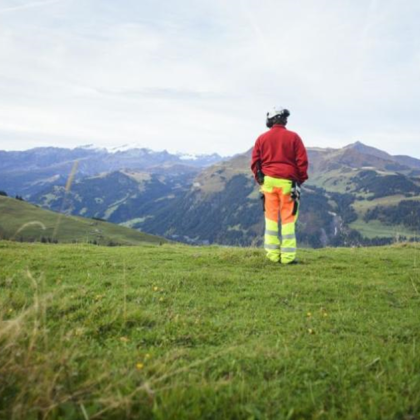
(281, 154)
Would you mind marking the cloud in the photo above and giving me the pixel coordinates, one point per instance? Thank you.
(28, 5)
(200, 77)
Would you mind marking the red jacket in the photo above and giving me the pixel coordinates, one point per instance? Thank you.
(281, 154)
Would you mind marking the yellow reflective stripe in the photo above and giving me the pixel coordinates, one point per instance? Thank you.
(271, 246)
(289, 250)
(291, 236)
(271, 232)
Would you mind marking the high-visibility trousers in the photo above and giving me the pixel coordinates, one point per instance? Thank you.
(278, 201)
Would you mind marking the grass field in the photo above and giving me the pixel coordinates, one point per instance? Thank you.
(177, 332)
(22, 220)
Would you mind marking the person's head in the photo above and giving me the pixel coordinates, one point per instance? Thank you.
(277, 116)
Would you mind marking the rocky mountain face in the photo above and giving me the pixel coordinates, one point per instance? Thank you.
(356, 195)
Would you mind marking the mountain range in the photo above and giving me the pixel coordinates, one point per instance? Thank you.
(356, 195)
(31, 171)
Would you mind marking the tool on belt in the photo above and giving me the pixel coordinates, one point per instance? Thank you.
(295, 194)
(260, 180)
(260, 174)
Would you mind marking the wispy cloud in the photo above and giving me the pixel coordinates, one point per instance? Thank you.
(28, 5)
(200, 76)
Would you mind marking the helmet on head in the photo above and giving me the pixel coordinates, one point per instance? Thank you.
(278, 115)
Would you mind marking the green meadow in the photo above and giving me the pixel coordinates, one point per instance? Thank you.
(178, 332)
(25, 222)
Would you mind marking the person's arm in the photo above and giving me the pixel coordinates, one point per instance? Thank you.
(301, 160)
(256, 159)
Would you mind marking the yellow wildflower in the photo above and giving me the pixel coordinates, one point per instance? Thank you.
(324, 312)
(139, 366)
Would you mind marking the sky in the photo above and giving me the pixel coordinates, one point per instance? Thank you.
(199, 76)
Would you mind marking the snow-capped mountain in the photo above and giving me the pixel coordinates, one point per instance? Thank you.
(28, 172)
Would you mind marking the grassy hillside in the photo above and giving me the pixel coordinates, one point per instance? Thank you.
(23, 221)
(176, 332)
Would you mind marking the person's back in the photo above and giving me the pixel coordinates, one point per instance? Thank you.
(280, 165)
(282, 154)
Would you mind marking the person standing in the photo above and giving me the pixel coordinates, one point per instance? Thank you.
(280, 165)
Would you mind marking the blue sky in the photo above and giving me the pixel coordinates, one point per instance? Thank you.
(199, 76)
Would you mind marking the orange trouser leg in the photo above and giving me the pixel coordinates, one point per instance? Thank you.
(271, 236)
(288, 224)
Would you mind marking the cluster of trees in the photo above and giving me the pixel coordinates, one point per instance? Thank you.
(17, 197)
(406, 213)
(344, 204)
(316, 218)
(194, 219)
(383, 186)
(48, 240)
(31, 239)
(352, 238)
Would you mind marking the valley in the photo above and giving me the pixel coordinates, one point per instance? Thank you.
(357, 195)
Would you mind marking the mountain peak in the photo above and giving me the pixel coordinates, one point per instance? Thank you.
(356, 145)
(368, 150)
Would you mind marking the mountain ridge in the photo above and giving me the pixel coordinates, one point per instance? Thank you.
(29, 172)
(226, 196)
(355, 195)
